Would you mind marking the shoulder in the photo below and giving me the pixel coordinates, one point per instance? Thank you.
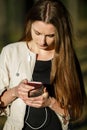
(13, 51)
(16, 45)
(15, 48)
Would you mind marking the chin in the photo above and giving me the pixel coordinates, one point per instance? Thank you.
(43, 47)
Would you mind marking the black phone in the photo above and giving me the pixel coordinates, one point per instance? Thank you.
(38, 89)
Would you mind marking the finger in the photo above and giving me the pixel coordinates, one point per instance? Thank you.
(33, 104)
(25, 81)
(45, 94)
(45, 89)
(25, 87)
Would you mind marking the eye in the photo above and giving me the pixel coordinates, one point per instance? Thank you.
(51, 35)
(37, 33)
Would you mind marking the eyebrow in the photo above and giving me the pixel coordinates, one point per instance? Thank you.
(36, 30)
(41, 33)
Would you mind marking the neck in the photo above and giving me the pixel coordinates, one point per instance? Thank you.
(42, 54)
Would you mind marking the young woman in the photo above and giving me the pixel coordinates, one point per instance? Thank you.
(46, 57)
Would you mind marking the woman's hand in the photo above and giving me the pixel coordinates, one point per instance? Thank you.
(22, 91)
(39, 101)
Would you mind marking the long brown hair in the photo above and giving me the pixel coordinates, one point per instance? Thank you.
(66, 74)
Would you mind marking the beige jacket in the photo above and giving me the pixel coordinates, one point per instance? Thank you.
(16, 63)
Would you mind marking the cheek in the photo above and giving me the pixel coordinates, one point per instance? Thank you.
(34, 37)
(50, 41)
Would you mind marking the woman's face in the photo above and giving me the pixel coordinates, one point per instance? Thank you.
(43, 35)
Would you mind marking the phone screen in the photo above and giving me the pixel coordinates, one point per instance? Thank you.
(37, 91)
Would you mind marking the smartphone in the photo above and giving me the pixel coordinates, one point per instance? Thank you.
(38, 89)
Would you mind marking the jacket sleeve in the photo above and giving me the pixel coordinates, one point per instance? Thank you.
(4, 75)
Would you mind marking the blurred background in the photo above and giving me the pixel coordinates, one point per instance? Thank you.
(12, 21)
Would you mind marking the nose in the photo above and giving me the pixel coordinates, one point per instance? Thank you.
(43, 40)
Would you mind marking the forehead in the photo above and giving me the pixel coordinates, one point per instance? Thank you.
(43, 27)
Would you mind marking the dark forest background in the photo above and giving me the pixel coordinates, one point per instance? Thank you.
(12, 21)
